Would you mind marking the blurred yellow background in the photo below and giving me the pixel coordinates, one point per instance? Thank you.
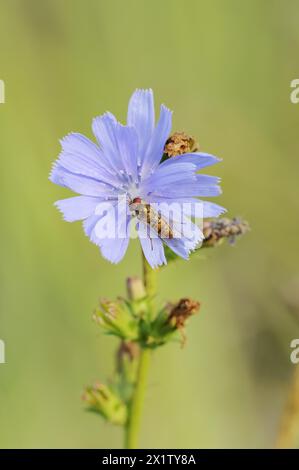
(225, 69)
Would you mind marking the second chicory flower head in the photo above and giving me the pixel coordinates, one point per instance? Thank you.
(125, 164)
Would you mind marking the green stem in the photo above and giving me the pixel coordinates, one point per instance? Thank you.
(132, 430)
(133, 424)
(150, 282)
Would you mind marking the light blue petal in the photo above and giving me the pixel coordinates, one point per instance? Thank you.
(156, 145)
(200, 186)
(114, 247)
(104, 130)
(82, 184)
(210, 209)
(119, 145)
(79, 145)
(77, 208)
(127, 142)
(88, 227)
(152, 247)
(90, 223)
(81, 156)
(114, 250)
(183, 246)
(151, 198)
(200, 160)
(168, 176)
(57, 173)
(178, 247)
(141, 116)
(185, 233)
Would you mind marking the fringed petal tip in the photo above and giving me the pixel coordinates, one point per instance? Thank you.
(142, 91)
(213, 157)
(55, 175)
(107, 258)
(165, 109)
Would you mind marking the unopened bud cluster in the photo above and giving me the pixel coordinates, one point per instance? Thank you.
(131, 320)
(117, 318)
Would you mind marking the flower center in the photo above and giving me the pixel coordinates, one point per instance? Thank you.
(133, 192)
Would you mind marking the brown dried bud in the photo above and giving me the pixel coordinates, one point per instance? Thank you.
(182, 311)
(180, 143)
(218, 229)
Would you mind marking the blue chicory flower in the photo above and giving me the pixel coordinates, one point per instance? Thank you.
(126, 163)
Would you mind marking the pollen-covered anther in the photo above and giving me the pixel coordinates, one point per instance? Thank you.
(180, 143)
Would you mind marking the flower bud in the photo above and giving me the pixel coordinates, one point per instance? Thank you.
(101, 399)
(135, 288)
(116, 318)
(126, 366)
(138, 300)
(127, 351)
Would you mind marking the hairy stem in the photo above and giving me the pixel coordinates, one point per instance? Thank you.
(135, 409)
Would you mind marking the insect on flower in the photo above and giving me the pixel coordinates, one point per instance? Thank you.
(126, 162)
(147, 214)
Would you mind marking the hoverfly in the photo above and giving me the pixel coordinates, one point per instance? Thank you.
(145, 213)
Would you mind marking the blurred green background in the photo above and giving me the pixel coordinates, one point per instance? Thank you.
(225, 69)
